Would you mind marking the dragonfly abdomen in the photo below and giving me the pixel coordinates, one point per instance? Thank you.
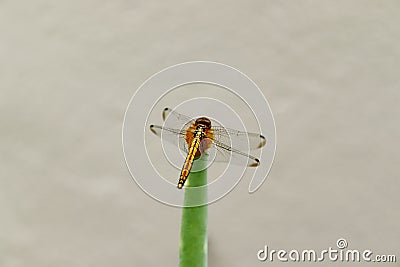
(192, 153)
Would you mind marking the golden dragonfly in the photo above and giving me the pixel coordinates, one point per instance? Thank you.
(196, 136)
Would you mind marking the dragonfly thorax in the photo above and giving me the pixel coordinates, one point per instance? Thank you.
(204, 121)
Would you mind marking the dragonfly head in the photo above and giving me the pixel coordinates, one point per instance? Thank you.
(204, 121)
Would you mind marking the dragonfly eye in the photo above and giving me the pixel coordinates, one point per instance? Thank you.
(204, 121)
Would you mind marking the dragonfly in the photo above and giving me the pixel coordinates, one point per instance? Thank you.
(196, 136)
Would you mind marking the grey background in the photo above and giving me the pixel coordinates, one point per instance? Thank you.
(68, 69)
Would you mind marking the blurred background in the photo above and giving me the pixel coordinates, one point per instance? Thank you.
(330, 71)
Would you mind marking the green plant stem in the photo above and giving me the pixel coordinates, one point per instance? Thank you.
(193, 244)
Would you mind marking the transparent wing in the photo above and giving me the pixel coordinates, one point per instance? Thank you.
(239, 139)
(225, 153)
(174, 128)
(175, 120)
(228, 144)
(219, 151)
(174, 136)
